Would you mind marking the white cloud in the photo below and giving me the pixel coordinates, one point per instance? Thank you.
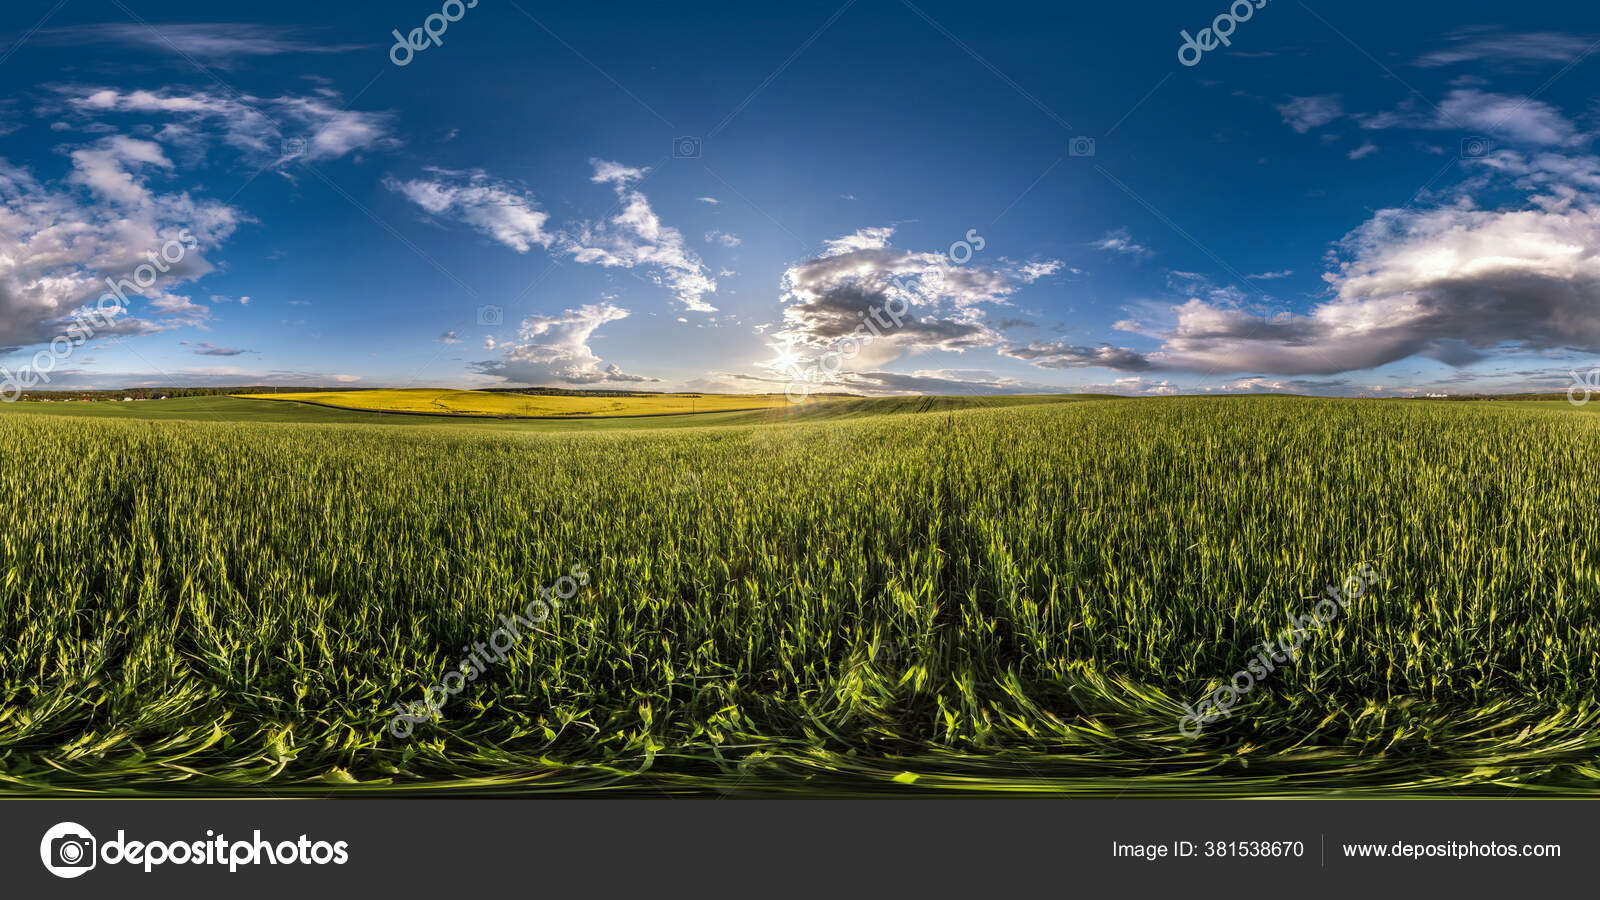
(219, 43)
(1557, 173)
(723, 238)
(1516, 118)
(635, 237)
(1454, 284)
(1366, 149)
(504, 213)
(1480, 46)
(1305, 113)
(608, 172)
(106, 168)
(266, 130)
(58, 243)
(1120, 241)
(554, 350)
(875, 238)
(861, 278)
(1133, 384)
(1033, 271)
(1513, 118)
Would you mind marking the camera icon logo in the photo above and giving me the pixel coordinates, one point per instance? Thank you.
(491, 316)
(686, 148)
(1080, 146)
(67, 850)
(293, 147)
(1475, 147)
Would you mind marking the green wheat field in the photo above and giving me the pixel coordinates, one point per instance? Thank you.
(225, 596)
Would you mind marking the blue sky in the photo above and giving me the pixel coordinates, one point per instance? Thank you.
(1342, 200)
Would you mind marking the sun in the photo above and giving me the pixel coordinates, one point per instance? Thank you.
(784, 359)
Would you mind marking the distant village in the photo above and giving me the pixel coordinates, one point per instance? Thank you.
(98, 399)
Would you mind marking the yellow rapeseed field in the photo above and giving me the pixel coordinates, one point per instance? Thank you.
(487, 403)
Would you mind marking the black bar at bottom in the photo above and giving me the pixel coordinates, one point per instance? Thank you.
(752, 847)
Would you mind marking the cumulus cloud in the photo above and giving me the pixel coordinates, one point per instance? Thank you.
(633, 238)
(1453, 284)
(108, 166)
(860, 278)
(1544, 171)
(103, 220)
(1131, 385)
(1033, 271)
(177, 310)
(1456, 283)
(554, 350)
(495, 208)
(874, 238)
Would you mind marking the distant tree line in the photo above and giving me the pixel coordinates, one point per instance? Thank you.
(151, 393)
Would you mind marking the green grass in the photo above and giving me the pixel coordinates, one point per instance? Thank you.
(238, 409)
(986, 595)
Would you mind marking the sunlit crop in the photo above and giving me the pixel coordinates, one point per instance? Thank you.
(1016, 598)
